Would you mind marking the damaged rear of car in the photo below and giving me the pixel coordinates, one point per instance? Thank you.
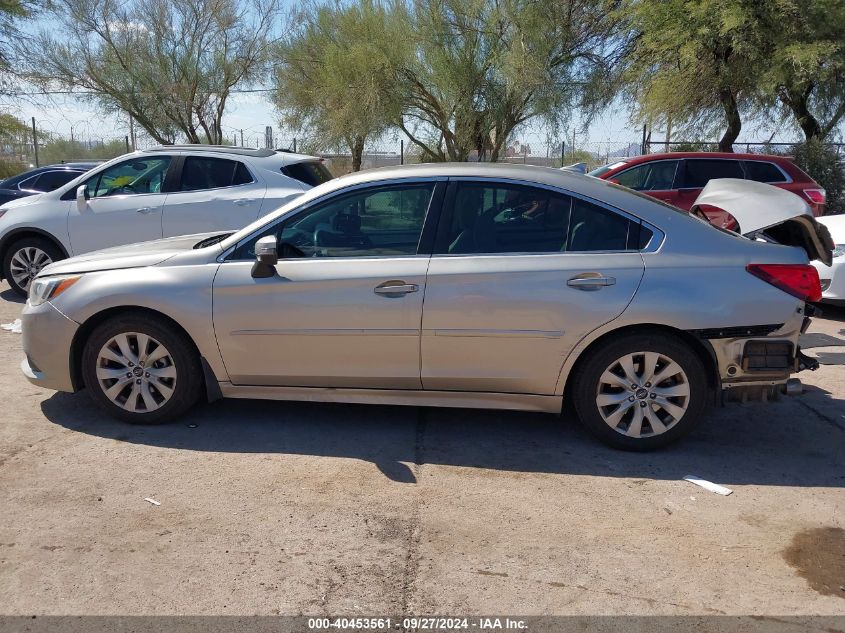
(759, 362)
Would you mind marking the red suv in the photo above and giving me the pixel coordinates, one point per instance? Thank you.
(678, 177)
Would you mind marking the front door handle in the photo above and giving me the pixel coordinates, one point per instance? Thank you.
(242, 202)
(395, 288)
(590, 281)
(145, 210)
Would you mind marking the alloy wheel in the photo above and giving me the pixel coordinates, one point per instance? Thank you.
(136, 372)
(643, 394)
(26, 264)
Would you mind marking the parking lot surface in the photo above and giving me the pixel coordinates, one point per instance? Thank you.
(292, 508)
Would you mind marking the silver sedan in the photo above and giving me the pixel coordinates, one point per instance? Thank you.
(460, 285)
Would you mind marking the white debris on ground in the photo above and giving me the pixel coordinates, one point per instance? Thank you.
(153, 501)
(708, 485)
(14, 326)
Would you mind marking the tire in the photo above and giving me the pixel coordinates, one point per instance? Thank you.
(154, 390)
(612, 410)
(34, 251)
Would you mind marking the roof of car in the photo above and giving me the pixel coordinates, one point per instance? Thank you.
(729, 155)
(281, 155)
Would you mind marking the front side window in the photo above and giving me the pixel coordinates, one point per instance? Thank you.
(212, 173)
(136, 176)
(376, 222)
(655, 176)
(504, 218)
(700, 171)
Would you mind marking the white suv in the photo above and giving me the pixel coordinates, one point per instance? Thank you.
(146, 195)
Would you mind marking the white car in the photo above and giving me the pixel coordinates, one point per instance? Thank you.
(148, 195)
(833, 277)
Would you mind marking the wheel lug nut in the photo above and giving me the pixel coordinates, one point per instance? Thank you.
(631, 399)
(648, 384)
(642, 403)
(634, 386)
(147, 375)
(129, 374)
(131, 364)
(138, 382)
(654, 395)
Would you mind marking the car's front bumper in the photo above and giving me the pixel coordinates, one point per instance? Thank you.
(47, 338)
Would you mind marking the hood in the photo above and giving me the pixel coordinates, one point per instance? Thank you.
(775, 213)
(128, 256)
(23, 201)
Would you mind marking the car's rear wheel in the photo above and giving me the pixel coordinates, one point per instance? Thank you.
(141, 369)
(641, 391)
(24, 260)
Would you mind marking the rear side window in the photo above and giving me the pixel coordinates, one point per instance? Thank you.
(53, 180)
(655, 176)
(700, 171)
(762, 171)
(212, 173)
(503, 218)
(311, 173)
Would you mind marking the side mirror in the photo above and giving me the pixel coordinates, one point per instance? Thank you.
(81, 198)
(266, 257)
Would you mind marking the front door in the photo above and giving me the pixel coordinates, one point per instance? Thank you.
(344, 307)
(123, 205)
(519, 276)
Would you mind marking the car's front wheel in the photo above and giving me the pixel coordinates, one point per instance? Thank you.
(141, 369)
(24, 260)
(641, 391)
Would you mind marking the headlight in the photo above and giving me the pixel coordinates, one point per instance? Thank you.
(45, 288)
(839, 250)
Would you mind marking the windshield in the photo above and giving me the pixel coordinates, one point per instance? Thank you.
(598, 172)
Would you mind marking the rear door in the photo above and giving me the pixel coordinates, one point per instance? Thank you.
(656, 178)
(696, 173)
(519, 275)
(212, 194)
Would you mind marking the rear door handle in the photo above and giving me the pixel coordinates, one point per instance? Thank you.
(145, 210)
(590, 281)
(242, 202)
(395, 288)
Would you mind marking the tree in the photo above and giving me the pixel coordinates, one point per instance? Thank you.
(334, 72)
(805, 72)
(696, 61)
(484, 67)
(171, 64)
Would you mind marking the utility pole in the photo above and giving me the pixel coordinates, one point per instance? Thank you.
(35, 141)
(401, 151)
(242, 138)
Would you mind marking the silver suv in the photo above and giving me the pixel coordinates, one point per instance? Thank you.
(147, 195)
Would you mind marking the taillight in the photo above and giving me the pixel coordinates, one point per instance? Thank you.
(816, 196)
(799, 280)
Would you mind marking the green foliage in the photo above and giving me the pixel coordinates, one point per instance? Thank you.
(695, 61)
(171, 64)
(484, 67)
(62, 150)
(335, 72)
(826, 167)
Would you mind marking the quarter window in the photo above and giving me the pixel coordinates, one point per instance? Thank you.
(654, 176)
(762, 171)
(212, 173)
(701, 171)
(500, 218)
(136, 176)
(376, 222)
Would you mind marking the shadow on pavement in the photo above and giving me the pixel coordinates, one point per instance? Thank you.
(781, 444)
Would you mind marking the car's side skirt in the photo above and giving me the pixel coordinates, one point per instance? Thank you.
(460, 399)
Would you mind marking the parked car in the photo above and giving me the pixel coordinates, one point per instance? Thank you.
(42, 179)
(833, 276)
(147, 195)
(679, 177)
(637, 311)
